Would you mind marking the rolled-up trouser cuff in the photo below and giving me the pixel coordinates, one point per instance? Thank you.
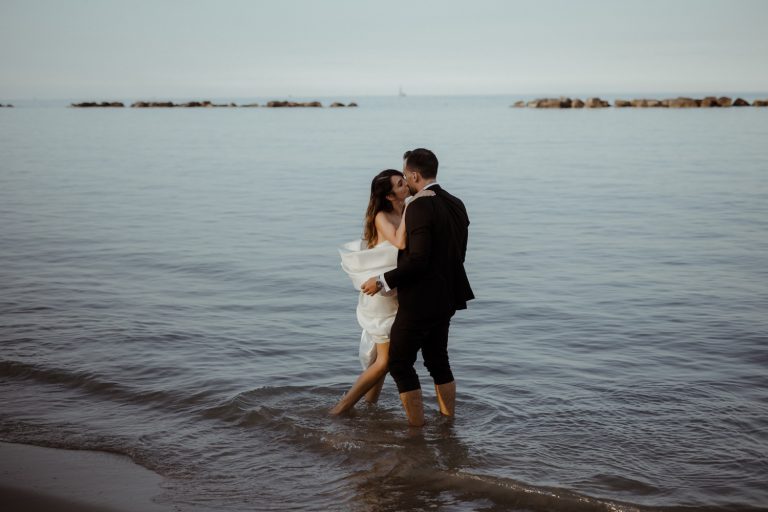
(405, 376)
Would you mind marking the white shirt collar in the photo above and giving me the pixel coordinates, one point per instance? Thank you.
(427, 186)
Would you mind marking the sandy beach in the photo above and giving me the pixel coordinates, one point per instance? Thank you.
(36, 479)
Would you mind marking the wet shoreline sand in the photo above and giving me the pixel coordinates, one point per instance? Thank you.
(34, 478)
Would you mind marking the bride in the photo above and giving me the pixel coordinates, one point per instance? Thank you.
(376, 253)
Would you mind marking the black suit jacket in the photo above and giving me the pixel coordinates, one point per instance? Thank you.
(430, 278)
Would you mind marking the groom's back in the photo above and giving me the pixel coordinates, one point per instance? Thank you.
(443, 287)
(451, 236)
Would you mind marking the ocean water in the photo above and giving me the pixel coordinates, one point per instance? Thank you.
(171, 290)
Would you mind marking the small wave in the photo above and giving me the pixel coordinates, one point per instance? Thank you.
(509, 492)
(418, 486)
(98, 385)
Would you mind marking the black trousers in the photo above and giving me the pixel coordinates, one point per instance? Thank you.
(406, 338)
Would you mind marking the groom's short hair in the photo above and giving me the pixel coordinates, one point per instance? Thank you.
(422, 160)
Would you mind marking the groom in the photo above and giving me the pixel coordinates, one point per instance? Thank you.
(431, 285)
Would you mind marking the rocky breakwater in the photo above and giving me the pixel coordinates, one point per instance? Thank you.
(206, 104)
(308, 104)
(679, 102)
(170, 104)
(293, 104)
(563, 102)
(683, 102)
(103, 104)
(6, 106)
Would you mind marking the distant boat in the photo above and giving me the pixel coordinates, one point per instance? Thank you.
(401, 94)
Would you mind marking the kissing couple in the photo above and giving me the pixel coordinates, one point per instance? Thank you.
(409, 269)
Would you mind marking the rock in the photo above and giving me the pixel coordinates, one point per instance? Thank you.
(336, 104)
(160, 104)
(647, 103)
(739, 102)
(622, 103)
(250, 105)
(151, 104)
(353, 104)
(562, 102)
(682, 103)
(550, 103)
(724, 101)
(760, 103)
(89, 104)
(280, 104)
(596, 103)
(709, 102)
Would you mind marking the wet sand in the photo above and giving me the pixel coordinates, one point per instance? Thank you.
(43, 479)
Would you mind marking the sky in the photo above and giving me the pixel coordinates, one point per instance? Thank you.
(119, 49)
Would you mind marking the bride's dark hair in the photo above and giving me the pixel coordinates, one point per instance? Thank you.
(381, 187)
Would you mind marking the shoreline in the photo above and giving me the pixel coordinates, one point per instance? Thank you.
(34, 478)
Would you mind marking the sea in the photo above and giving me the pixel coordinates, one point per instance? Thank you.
(171, 290)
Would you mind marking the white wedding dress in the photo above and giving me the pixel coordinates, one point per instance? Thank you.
(375, 314)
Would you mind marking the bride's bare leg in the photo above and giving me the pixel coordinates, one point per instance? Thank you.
(372, 396)
(382, 354)
(369, 380)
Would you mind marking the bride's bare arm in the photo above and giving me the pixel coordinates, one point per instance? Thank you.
(387, 230)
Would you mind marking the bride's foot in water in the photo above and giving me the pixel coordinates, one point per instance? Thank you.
(368, 384)
(342, 407)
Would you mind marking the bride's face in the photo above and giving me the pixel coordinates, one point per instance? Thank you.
(399, 189)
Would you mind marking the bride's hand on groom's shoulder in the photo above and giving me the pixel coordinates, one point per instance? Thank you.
(424, 193)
